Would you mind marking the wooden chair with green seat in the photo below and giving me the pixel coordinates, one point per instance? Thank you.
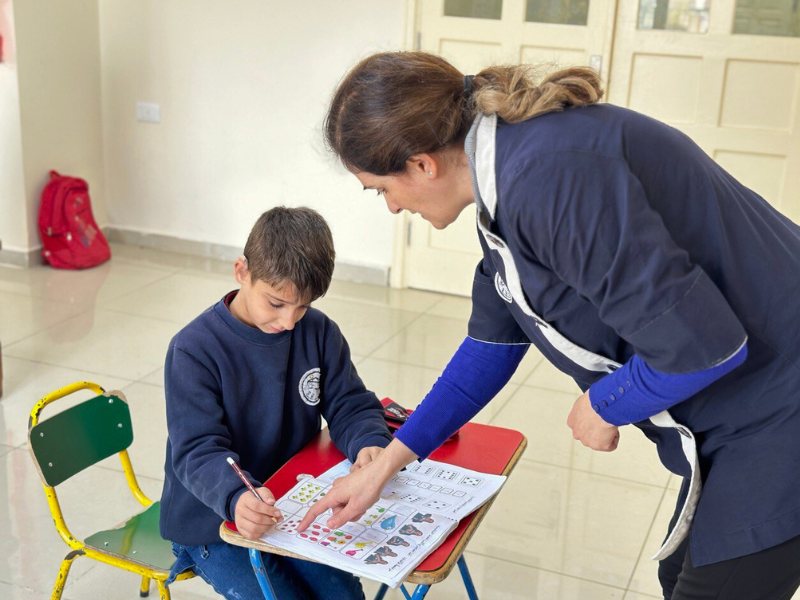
(75, 439)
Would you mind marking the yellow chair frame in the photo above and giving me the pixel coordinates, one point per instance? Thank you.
(147, 572)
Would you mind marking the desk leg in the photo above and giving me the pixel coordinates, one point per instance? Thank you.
(261, 574)
(462, 566)
(381, 592)
(419, 592)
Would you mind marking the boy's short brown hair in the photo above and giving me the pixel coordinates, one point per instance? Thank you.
(292, 245)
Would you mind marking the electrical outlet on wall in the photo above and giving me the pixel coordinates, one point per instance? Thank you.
(148, 112)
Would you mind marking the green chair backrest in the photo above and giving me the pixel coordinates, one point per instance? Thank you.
(81, 436)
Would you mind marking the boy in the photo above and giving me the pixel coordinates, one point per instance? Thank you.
(249, 378)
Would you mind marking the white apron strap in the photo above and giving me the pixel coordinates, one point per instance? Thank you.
(684, 522)
(484, 161)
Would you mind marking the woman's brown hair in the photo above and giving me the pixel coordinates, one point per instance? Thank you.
(393, 105)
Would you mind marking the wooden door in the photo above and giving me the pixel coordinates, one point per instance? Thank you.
(726, 74)
(473, 34)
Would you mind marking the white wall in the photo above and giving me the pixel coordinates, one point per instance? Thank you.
(243, 88)
(50, 115)
(58, 48)
(13, 217)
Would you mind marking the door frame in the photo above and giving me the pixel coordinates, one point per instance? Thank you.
(411, 41)
(397, 268)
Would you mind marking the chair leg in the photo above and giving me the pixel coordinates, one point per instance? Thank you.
(63, 573)
(261, 574)
(144, 590)
(163, 590)
(462, 566)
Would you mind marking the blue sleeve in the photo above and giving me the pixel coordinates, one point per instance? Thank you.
(475, 374)
(636, 391)
(353, 413)
(198, 433)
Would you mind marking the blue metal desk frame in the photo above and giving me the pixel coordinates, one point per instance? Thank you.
(418, 594)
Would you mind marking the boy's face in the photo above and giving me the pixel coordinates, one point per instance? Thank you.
(260, 305)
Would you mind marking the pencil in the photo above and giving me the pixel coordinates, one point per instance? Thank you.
(249, 485)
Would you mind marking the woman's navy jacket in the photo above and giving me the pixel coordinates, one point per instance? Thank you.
(628, 239)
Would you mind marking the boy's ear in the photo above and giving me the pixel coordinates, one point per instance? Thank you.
(240, 270)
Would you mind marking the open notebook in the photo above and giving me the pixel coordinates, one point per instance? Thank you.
(416, 512)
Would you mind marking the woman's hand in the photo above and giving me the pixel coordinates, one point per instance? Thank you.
(254, 517)
(366, 456)
(590, 429)
(351, 496)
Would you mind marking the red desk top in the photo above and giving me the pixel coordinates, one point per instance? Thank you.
(478, 447)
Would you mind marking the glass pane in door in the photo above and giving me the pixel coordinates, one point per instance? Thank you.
(690, 16)
(477, 9)
(767, 17)
(563, 12)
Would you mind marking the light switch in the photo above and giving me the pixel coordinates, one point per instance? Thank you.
(148, 112)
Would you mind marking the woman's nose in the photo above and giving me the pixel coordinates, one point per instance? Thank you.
(393, 208)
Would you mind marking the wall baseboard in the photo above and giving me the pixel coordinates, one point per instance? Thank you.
(343, 271)
(21, 258)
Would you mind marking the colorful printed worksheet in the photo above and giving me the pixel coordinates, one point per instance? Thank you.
(417, 511)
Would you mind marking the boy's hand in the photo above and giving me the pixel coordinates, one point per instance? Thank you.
(365, 456)
(253, 517)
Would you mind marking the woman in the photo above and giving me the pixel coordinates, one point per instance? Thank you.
(634, 263)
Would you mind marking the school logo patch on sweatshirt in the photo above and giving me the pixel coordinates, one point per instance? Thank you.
(309, 387)
(502, 288)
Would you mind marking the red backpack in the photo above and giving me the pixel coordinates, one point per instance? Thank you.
(70, 235)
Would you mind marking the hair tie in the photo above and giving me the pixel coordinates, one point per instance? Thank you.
(468, 87)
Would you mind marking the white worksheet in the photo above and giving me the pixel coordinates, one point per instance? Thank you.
(448, 490)
(417, 511)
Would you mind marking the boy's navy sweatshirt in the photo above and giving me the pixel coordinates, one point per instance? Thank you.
(233, 390)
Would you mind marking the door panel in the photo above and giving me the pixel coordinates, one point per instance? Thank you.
(735, 95)
(693, 64)
(511, 31)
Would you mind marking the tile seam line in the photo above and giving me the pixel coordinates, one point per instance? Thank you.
(130, 380)
(131, 314)
(397, 333)
(138, 289)
(587, 472)
(555, 572)
(27, 337)
(646, 537)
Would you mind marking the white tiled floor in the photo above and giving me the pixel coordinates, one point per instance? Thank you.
(571, 524)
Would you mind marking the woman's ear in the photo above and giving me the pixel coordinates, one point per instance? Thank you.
(423, 164)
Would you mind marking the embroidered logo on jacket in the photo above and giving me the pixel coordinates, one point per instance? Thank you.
(309, 387)
(502, 288)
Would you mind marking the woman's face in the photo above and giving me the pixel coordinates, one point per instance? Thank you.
(433, 187)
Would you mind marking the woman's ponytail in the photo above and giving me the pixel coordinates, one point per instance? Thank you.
(512, 91)
(393, 105)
